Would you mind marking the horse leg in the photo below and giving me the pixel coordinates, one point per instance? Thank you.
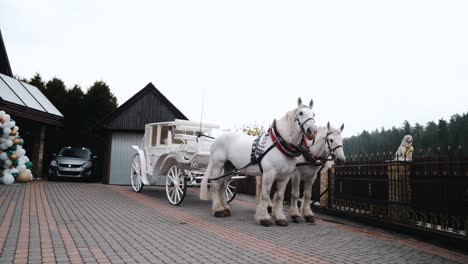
(258, 191)
(293, 211)
(306, 206)
(217, 206)
(261, 213)
(278, 213)
(222, 196)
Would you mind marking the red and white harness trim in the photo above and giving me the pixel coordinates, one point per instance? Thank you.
(288, 149)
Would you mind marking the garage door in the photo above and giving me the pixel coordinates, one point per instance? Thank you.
(121, 156)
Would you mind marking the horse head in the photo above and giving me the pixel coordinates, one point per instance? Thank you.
(304, 116)
(334, 144)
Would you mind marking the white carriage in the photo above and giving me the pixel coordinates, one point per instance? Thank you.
(175, 155)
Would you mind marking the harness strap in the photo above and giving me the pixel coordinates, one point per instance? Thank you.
(288, 149)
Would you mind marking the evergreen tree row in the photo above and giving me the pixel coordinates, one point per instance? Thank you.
(446, 136)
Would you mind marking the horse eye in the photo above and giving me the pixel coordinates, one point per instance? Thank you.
(331, 140)
(300, 113)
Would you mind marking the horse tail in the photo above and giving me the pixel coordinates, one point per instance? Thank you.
(204, 183)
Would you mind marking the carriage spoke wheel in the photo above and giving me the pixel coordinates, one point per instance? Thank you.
(135, 174)
(176, 185)
(231, 190)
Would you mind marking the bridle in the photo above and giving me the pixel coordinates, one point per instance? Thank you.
(303, 123)
(309, 156)
(331, 151)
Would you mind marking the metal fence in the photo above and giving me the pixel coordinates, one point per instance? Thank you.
(430, 192)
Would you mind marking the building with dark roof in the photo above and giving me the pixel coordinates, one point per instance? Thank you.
(33, 112)
(126, 126)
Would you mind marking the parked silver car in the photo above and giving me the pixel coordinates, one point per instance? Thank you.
(72, 162)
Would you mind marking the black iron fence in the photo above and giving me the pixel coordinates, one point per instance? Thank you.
(430, 192)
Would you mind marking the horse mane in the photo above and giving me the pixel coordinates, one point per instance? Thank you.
(289, 119)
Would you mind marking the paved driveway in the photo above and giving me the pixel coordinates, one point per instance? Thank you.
(48, 222)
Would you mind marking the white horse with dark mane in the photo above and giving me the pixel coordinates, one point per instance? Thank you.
(328, 146)
(277, 162)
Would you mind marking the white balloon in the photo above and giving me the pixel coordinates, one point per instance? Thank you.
(7, 130)
(3, 156)
(9, 143)
(20, 152)
(8, 162)
(8, 179)
(21, 167)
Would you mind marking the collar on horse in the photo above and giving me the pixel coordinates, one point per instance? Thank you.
(287, 148)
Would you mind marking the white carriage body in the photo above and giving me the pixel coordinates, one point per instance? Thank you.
(175, 155)
(166, 143)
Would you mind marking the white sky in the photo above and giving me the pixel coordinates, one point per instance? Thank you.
(365, 63)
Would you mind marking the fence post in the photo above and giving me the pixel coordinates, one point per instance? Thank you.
(324, 185)
(399, 189)
(331, 186)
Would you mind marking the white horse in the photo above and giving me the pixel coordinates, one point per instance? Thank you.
(328, 145)
(233, 150)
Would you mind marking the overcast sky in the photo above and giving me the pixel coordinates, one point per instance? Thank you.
(367, 64)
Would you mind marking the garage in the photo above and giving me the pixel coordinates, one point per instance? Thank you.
(125, 127)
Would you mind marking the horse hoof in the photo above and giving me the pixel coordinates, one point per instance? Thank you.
(296, 219)
(310, 219)
(281, 223)
(270, 210)
(265, 222)
(219, 214)
(227, 212)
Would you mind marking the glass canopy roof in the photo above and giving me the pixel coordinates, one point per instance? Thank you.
(24, 94)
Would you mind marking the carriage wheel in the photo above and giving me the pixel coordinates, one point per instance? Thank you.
(135, 174)
(176, 185)
(231, 190)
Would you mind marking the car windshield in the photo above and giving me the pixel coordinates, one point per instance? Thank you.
(75, 153)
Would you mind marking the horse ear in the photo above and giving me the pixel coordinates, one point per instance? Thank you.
(328, 126)
(311, 103)
(341, 128)
(299, 102)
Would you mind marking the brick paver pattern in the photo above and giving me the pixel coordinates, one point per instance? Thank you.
(59, 222)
